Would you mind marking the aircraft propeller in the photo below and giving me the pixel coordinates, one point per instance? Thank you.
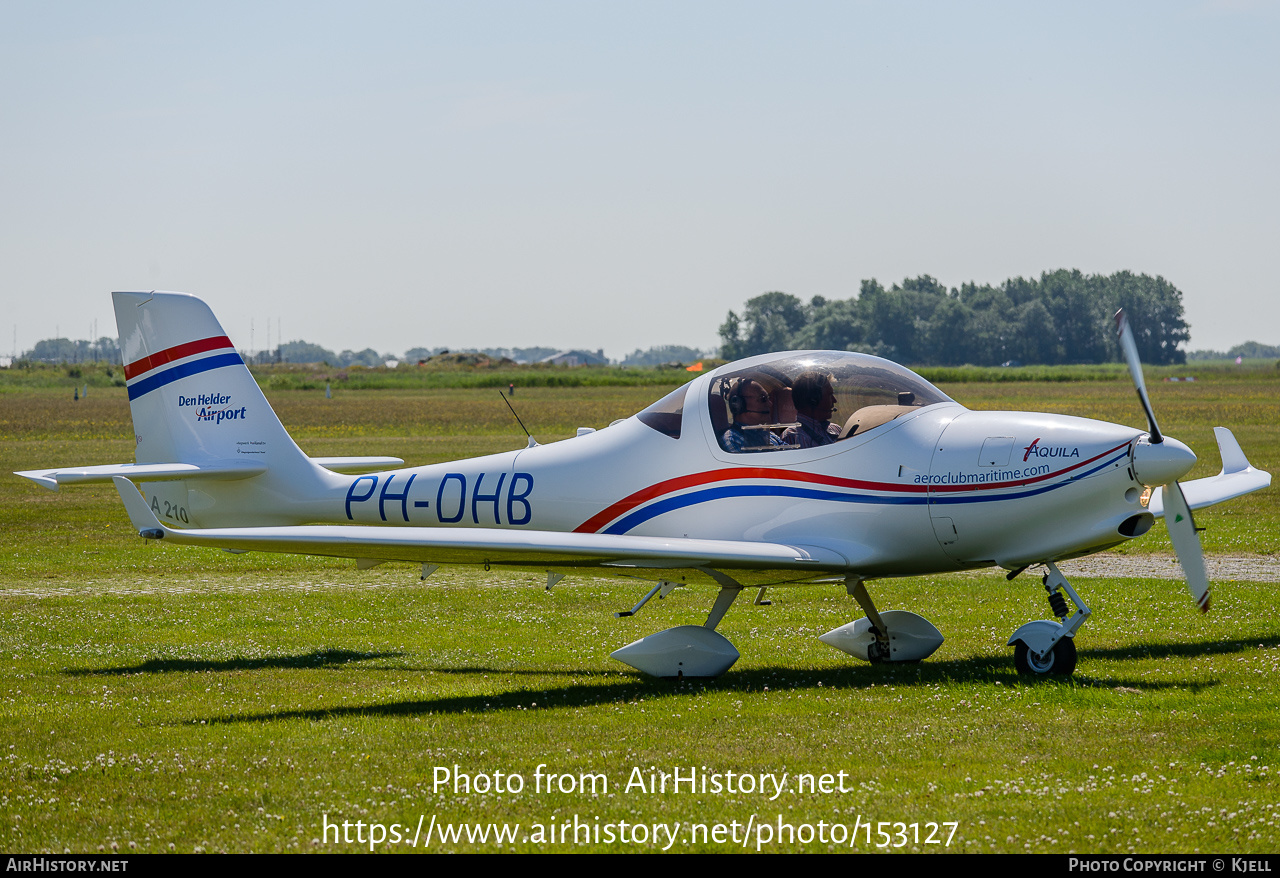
(1159, 460)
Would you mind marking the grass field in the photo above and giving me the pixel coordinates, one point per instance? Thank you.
(175, 699)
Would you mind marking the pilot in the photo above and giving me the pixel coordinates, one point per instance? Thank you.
(751, 408)
(815, 401)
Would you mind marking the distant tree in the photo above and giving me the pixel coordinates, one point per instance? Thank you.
(945, 334)
(1254, 350)
(730, 337)
(833, 326)
(1079, 315)
(1032, 336)
(53, 350)
(367, 357)
(303, 352)
(656, 356)
(1154, 308)
(64, 350)
(1063, 316)
(522, 355)
(105, 349)
(768, 323)
(889, 321)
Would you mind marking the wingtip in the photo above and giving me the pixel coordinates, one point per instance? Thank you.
(43, 478)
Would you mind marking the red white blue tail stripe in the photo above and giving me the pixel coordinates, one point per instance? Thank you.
(180, 361)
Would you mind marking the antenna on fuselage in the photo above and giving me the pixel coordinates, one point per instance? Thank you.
(532, 441)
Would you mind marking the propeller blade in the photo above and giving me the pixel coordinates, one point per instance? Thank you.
(1130, 349)
(1186, 543)
(1177, 514)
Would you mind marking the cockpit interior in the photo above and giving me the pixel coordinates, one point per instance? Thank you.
(800, 400)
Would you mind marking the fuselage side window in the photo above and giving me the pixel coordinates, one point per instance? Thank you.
(666, 414)
(746, 411)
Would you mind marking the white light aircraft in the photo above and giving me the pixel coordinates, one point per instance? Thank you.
(714, 484)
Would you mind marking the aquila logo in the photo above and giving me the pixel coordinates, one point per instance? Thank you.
(1035, 449)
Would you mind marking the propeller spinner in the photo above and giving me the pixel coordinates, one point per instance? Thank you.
(1160, 461)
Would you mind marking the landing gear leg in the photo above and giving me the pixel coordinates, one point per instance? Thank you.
(892, 636)
(857, 589)
(1045, 647)
(724, 600)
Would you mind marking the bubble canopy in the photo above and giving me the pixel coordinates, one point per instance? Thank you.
(860, 383)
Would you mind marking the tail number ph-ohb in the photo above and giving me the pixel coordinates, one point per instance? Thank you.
(456, 496)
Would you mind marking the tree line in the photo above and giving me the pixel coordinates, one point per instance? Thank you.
(63, 350)
(1061, 317)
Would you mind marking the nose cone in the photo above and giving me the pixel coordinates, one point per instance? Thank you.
(1161, 463)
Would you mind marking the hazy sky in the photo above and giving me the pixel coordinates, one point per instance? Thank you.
(620, 175)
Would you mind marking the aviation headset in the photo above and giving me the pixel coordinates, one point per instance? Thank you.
(808, 387)
(732, 393)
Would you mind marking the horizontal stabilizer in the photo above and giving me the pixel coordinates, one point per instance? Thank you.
(143, 472)
(1237, 478)
(228, 470)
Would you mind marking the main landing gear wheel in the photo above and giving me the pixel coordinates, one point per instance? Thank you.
(1059, 661)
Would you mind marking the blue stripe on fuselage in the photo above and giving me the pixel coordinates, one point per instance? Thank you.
(724, 492)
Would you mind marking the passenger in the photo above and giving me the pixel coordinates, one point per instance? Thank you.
(751, 408)
(815, 401)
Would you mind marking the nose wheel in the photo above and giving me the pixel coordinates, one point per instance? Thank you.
(1059, 660)
(1045, 647)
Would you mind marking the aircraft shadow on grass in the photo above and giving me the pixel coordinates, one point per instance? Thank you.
(777, 679)
(1184, 650)
(314, 659)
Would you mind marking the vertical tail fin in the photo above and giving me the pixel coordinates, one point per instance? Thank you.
(194, 401)
(190, 393)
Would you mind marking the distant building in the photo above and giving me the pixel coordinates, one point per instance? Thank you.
(577, 358)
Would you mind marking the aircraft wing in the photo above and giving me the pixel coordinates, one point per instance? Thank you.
(1237, 478)
(494, 546)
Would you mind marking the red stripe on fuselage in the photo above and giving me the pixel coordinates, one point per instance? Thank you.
(600, 519)
(177, 352)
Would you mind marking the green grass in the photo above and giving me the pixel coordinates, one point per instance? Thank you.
(433, 376)
(162, 696)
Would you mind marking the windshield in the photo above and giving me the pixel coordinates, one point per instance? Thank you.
(812, 399)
